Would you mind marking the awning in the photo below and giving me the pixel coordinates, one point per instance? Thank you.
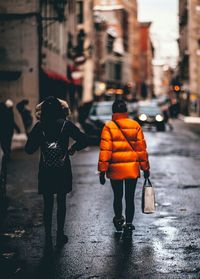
(55, 76)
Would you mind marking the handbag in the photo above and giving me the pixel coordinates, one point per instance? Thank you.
(148, 198)
(52, 152)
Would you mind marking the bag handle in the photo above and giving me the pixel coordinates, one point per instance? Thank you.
(145, 182)
(123, 134)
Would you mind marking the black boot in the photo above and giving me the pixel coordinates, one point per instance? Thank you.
(118, 223)
(48, 247)
(61, 239)
(128, 231)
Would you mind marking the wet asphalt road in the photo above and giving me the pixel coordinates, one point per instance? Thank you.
(165, 244)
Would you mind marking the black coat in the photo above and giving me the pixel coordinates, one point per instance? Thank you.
(58, 180)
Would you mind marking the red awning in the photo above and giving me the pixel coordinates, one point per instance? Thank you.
(55, 76)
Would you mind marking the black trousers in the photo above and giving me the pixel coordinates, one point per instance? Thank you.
(48, 212)
(130, 186)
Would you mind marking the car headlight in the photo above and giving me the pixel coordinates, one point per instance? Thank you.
(143, 117)
(159, 118)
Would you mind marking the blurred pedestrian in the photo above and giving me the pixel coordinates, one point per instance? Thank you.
(26, 115)
(122, 155)
(7, 126)
(166, 114)
(174, 108)
(52, 134)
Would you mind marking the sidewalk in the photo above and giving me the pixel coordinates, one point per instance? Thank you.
(192, 123)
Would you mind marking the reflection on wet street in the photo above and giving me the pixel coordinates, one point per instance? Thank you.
(164, 245)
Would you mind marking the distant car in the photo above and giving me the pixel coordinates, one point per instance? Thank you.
(101, 111)
(99, 114)
(150, 114)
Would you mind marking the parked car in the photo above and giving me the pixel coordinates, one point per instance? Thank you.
(150, 114)
(99, 114)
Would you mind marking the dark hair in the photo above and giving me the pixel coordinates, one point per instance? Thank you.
(119, 106)
(51, 110)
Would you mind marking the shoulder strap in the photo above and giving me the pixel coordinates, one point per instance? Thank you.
(61, 130)
(123, 134)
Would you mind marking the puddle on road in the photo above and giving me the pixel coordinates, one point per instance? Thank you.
(30, 191)
(15, 234)
(164, 244)
(185, 187)
(165, 214)
(8, 255)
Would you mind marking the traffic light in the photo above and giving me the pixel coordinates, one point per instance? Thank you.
(176, 88)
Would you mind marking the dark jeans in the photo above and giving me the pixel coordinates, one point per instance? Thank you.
(130, 186)
(48, 212)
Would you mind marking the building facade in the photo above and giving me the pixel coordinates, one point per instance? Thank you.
(19, 64)
(146, 57)
(194, 53)
(189, 59)
(114, 21)
(32, 50)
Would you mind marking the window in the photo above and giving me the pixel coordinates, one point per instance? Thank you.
(110, 41)
(79, 12)
(118, 70)
(114, 71)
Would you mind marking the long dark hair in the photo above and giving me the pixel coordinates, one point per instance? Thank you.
(51, 110)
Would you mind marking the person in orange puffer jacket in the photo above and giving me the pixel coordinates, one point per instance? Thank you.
(122, 155)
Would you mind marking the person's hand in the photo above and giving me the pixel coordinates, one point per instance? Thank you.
(102, 178)
(71, 151)
(146, 174)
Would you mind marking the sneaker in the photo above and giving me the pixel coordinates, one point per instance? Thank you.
(118, 223)
(128, 231)
(61, 239)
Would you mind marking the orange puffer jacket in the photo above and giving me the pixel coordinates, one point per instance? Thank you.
(116, 157)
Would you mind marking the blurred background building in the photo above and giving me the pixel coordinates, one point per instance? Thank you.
(76, 50)
(19, 51)
(32, 50)
(146, 57)
(123, 50)
(189, 59)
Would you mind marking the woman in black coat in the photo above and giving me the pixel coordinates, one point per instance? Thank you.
(53, 127)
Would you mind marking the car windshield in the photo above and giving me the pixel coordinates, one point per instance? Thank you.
(152, 110)
(101, 109)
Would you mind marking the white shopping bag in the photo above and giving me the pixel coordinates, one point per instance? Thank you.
(148, 198)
